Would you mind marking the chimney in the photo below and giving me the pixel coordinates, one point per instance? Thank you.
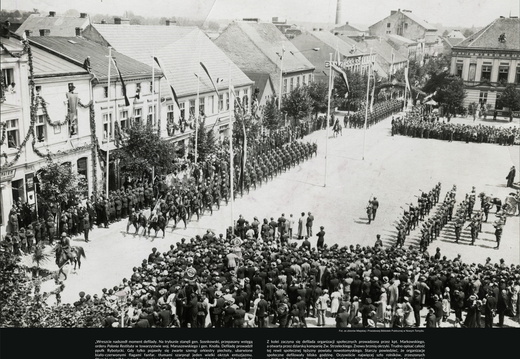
(117, 21)
(314, 29)
(103, 21)
(83, 15)
(78, 31)
(170, 22)
(28, 33)
(392, 12)
(346, 23)
(339, 12)
(336, 33)
(52, 13)
(274, 19)
(320, 29)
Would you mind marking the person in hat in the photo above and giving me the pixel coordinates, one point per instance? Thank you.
(375, 206)
(321, 238)
(511, 176)
(471, 316)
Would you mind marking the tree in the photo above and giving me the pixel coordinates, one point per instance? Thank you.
(318, 95)
(143, 151)
(510, 98)
(271, 115)
(297, 103)
(451, 94)
(205, 142)
(58, 184)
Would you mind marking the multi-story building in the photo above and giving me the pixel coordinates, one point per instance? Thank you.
(489, 60)
(261, 49)
(344, 50)
(406, 24)
(181, 50)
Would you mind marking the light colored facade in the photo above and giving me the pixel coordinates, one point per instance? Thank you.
(180, 51)
(489, 60)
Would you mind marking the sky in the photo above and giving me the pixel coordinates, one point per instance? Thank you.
(450, 13)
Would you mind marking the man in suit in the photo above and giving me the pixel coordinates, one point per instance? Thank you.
(261, 311)
(490, 308)
(310, 221)
(511, 176)
(375, 206)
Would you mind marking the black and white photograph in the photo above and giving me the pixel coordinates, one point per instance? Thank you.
(332, 168)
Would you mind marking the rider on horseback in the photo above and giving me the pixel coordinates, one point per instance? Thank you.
(65, 247)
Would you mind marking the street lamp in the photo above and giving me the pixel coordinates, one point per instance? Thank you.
(281, 55)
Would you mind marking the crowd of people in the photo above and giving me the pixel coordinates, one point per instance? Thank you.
(420, 125)
(265, 281)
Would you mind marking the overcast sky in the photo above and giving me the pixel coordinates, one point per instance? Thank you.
(461, 13)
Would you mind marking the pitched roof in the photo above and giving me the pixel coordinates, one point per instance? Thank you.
(400, 40)
(487, 38)
(418, 20)
(452, 41)
(76, 50)
(343, 44)
(58, 25)
(180, 50)
(346, 28)
(266, 41)
(262, 81)
(46, 63)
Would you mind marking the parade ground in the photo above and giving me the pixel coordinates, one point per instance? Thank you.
(336, 191)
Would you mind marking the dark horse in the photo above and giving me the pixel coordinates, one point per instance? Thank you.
(62, 258)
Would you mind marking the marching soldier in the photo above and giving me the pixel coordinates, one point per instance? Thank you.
(498, 232)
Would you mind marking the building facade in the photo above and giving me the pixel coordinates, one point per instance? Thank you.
(488, 61)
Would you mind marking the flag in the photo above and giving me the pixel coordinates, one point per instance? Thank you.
(243, 158)
(175, 98)
(123, 86)
(343, 75)
(406, 79)
(211, 79)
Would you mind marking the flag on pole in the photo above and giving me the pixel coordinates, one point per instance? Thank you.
(211, 79)
(342, 74)
(406, 79)
(175, 98)
(123, 86)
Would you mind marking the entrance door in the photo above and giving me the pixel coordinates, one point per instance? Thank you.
(18, 191)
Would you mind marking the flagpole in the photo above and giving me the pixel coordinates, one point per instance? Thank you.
(366, 105)
(327, 120)
(281, 78)
(109, 119)
(405, 85)
(231, 178)
(196, 119)
(153, 94)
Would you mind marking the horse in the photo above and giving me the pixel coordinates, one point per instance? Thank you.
(62, 258)
(491, 200)
(337, 129)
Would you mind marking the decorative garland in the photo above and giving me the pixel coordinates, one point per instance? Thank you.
(3, 128)
(41, 102)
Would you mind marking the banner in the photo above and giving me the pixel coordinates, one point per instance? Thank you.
(174, 95)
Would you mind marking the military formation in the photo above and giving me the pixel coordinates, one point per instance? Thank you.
(413, 214)
(379, 112)
(415, 124)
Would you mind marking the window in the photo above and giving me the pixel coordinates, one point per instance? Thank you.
(227, 102)
(518, 75)
(13, 136)
(285, 86)
(405, 25)
(389, 31)
(107, 126)
(388, 25)
(482, 98)
(170, 120)
(83, 174)
(503, 73)
(182, 110)
(169, 113)
(151, 87)
(138, 91)
(459, 70)
(138, 114)
(105, 92)
(192, 108)
(123, 119)
(151, 118)
(291, 87)
(40, 128)
(298, 81)
(303, 80)
(221, 102)
(486, 73)
(7, 77)
(245, 100)
(202, 106)
(211, 105)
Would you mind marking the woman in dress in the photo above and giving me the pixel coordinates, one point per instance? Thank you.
(471, 316)
(381, 305)
(335, 298)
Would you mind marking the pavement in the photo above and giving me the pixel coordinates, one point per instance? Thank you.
(335, 188)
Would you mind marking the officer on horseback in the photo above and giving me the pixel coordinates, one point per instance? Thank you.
(65, 247)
